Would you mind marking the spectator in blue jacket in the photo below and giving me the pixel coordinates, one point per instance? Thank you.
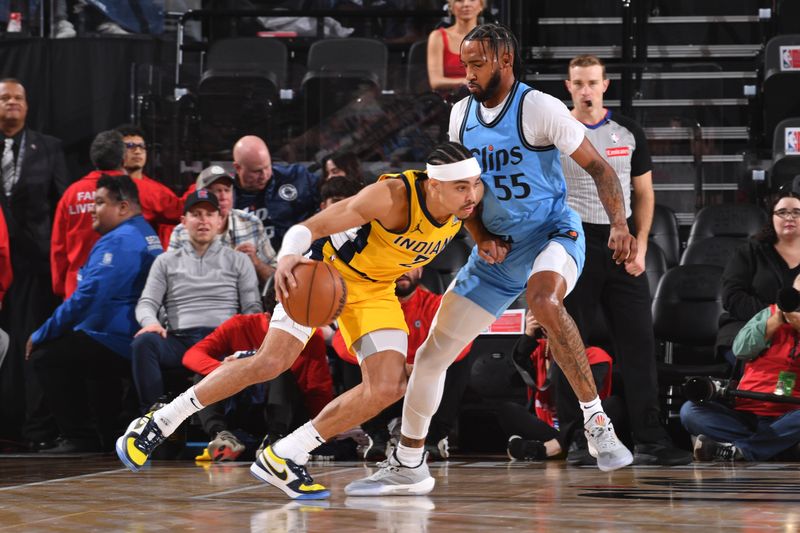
(88, 337)
(279, 195)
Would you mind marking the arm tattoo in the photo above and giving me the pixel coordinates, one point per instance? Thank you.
(608, 189)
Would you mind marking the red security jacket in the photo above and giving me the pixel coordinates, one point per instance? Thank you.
(160, 207)
(6, 274)
(247, 332)
(419, 311)
(73, 237)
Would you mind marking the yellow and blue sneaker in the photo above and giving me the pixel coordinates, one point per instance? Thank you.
(285, 474)
(139, 441)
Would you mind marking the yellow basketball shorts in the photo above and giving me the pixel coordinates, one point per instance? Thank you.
(370, 306)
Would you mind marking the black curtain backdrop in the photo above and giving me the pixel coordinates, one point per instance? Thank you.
(79, 87)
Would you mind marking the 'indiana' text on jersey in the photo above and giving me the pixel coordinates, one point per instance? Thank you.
(375, 253)
(524, 184)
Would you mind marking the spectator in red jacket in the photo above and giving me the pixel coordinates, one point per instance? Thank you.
(73, 237)
(6, 274)
(419, 307)
(160, 206)
(285, 403)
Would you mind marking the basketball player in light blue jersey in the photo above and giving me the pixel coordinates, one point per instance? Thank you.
(536, 245)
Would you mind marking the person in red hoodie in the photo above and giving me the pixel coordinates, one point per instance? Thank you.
(6, 274)
(161, 207)
(419, 307)
(286, 402)
(73, 237)
(6, 277)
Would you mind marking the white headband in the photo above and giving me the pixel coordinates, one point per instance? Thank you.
(459, 170)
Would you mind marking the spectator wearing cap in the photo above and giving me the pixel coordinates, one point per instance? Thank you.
(87, 339)
(160, 206)
(279, 195)
(200, 285)
(73, 237)
(240, 230)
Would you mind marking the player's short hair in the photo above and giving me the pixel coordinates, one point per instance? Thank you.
(498, 37)
(120, 187)
(449, 152)
(107, 150)
(586, 60)
(340, 187)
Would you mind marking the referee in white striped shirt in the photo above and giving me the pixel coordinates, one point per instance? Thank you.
(619, 290)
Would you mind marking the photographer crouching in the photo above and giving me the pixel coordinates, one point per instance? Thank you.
(756, 430)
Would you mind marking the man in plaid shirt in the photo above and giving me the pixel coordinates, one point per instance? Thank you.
(242, 231)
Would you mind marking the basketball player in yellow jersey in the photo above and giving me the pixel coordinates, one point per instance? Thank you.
(390, 227)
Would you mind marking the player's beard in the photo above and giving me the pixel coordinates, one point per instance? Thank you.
(491, 88)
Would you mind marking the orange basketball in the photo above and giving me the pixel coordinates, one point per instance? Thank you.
(319, 297)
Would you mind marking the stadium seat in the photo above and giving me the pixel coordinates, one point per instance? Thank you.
(785, 152)
(417, 68)
(664, 232)
(238, 90)
(781, 84)
(727, 220)
(711, 251)
(686, 310)
(339, 72)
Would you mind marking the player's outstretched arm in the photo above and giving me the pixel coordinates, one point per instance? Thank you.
(610, 192)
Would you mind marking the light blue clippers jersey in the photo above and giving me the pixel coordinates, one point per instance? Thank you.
(524, 185)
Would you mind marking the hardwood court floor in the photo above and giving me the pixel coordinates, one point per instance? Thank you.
(94, 493)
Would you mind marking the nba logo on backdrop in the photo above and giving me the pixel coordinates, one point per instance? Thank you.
(790, 57)
(792, 141)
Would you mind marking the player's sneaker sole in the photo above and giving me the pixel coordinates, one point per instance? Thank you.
(416, 489)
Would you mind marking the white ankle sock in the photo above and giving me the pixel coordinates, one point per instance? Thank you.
(298, 444)
(169, 417)
(409, 456)
(590, 408)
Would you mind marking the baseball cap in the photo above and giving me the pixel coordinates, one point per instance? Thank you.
(201, 196)
(211, 174)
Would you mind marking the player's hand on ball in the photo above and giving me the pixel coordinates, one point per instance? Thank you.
(284, 279)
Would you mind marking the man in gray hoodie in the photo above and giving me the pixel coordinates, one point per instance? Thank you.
(200, 285)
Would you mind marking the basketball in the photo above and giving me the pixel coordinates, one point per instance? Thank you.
(319, 296)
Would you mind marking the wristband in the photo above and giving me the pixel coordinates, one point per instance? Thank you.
(296, 241)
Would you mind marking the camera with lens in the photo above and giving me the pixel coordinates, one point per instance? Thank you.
(702, 389)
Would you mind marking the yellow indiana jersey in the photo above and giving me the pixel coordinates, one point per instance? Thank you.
(374, 253)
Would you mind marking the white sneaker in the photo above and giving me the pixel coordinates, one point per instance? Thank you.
(604, 445)
(64, 30)
(111, 28)
(394, 478)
